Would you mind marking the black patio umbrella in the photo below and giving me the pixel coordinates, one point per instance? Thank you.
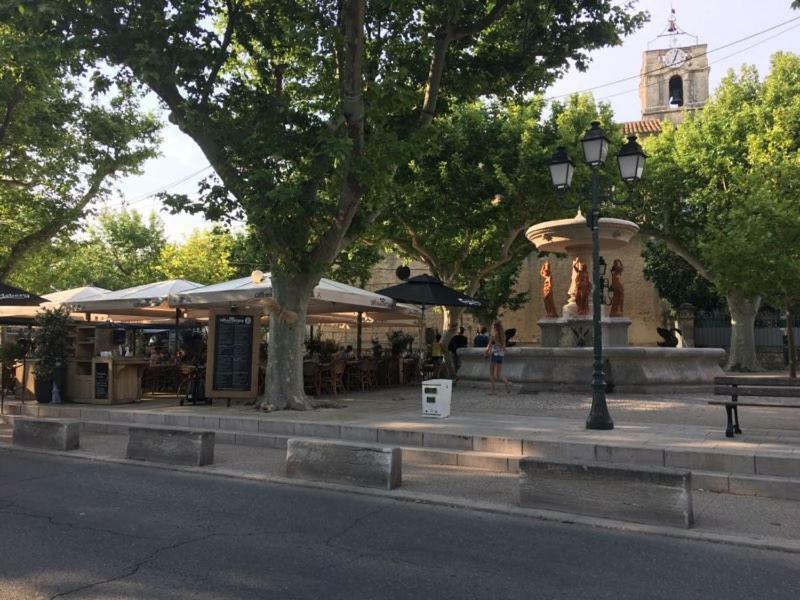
(11, 296)
(426, 290)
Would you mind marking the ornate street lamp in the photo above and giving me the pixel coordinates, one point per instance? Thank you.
(631, 161)
(561, 169)
(631, 167)
(595, 145)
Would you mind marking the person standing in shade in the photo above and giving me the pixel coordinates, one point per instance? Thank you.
(437, 355)
(481, 340)
(457, 342)
(496, 351)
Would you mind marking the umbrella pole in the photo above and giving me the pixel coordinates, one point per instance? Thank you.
(359, 329)
(177, 330)
(24, 373)
(175, 355)
(421, 360)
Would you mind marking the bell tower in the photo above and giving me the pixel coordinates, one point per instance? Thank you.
(674, 79)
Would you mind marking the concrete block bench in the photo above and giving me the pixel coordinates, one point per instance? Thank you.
(653, 495)
(48, 434)
(367, 465)
(173, 446)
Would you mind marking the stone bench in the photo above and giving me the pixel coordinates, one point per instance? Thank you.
(48, 434)
(173, 446)
(653, 495)
(367, 465)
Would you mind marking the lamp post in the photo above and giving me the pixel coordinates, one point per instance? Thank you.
(631, 161)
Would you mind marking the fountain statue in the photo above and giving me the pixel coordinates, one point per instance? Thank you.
(547, 291)
(617, 290)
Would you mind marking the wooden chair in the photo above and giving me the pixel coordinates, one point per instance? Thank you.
(369, 368)
(382, 371)
(312, 377)
(9, 380)
(333, 376)
(359, 375)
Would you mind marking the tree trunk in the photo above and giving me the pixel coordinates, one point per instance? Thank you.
(287, 327)
(742, 355)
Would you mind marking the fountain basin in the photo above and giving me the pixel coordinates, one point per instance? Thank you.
(572, 236)
(636, 369)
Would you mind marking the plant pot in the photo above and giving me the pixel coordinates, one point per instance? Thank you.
(43, 390)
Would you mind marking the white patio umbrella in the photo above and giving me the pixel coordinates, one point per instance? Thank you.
(150, 299)
(331, 301)
(328, 296)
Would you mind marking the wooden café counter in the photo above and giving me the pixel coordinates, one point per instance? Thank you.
(99, 380)
(105, 380)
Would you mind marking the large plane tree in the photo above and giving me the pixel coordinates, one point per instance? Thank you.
(305, 109)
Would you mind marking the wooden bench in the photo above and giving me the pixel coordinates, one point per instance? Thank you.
(775, 387)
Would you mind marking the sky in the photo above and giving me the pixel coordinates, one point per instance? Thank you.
(715, 22)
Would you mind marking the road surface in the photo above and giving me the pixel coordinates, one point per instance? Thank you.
(78, 529)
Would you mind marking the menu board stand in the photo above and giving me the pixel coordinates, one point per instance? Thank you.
(233, 352)
(101, 381)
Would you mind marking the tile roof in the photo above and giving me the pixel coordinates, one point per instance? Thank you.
(646, 127)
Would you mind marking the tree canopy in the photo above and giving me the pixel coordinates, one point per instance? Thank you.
(464, 203)
(715, 182)
(60, 149)
(123, 248)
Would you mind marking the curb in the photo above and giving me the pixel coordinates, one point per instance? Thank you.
(760, 543)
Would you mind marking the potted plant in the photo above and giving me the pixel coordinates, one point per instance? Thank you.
(328, 350)
(399, 341)
(50, 348)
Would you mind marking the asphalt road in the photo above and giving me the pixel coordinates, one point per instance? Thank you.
(77, 529)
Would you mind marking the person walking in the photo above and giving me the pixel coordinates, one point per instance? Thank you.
(481, 340)
(496, 351)
(457, 342)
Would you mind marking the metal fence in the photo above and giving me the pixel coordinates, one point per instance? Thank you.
(712, 329)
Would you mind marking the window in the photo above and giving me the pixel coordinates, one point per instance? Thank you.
(675, 91)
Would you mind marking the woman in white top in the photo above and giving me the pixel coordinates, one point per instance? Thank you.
(496, 351)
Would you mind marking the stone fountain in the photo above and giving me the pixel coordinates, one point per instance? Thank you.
(563, 362)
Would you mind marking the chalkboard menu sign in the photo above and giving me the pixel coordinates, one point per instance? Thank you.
(101, 381)
(233, 353)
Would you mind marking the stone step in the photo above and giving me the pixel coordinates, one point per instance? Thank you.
(725, 459)
(716, 481)
(731, 470)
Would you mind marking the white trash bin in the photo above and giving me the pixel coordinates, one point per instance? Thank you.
(436, 396)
